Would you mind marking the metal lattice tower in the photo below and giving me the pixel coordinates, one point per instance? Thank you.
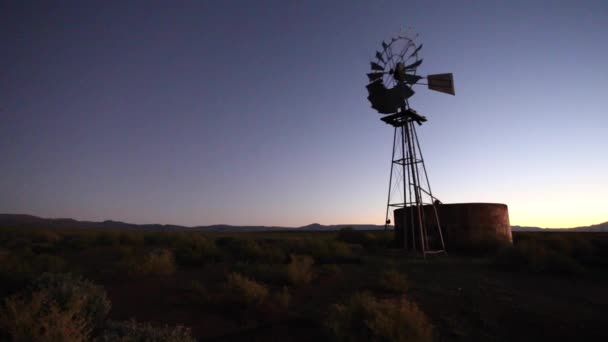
(409, 187)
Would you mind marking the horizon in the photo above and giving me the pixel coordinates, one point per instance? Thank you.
(202, 113)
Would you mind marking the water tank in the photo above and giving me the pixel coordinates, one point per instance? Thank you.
(464, 226)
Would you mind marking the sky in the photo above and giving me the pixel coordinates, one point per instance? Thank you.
(255, 112)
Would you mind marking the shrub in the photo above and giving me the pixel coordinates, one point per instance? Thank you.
(533, 256)
(282, 297)
(157, 262)
(241, 289)
(132, 331)
(393, 282)
(299, 270)
(250, 250)
(330, 269)
(269, 273)
(323, 251)
(65, 289)
(196, 251)
(364, 318)
(37, 317)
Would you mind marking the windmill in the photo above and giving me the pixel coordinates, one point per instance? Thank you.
(392, 77)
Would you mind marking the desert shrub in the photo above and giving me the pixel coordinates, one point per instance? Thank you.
(56, 307)
(241, 289)
(157, 262)
(299, 270)
(330, 269)
(368, 240)
(45, 236)
(36, 316)
(268, 273)
(65, 289)
(199, 293)
(107, 239)
(392, 281)
(195, 251)
(251, 250)
(479, 244)
(131, 238)
(77, 242)
(533, 256)
(282, 297)
(322, 250)
(364, 318)
(132, 331)
(18, 270)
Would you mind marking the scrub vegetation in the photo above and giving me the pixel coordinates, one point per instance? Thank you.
(136, 285)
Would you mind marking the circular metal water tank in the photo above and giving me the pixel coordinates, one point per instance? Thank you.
(464, 225)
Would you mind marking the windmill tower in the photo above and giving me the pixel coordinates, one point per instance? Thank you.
(392, 76)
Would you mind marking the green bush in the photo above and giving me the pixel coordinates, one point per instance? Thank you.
(132, 331)
(364, 318)
(299, 270)
(393, 282)
(241, 289)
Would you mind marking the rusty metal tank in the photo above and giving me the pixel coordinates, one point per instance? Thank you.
(464, 225)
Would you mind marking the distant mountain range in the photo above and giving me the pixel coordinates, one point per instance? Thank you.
(29, 221)
(602, 227)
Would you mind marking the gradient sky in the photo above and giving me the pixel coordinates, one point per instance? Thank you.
(255, 112)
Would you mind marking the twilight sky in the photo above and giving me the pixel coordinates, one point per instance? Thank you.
(255, 112)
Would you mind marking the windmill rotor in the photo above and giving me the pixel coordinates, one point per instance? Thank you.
(394, 73)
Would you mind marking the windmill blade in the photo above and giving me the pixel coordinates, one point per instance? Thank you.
(376, 66)
(384, 45)
(416, 51)
(411, 79)
(379, 56)
(443, 83)
(374, 76)
(413, 65)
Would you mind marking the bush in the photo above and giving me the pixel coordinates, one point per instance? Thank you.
(132, 331)
(157, 262)
(65, 289)
(299, 270)
(57, 307)
(268, 273)
(241, 289)
(37, 317)
(533, 256)
(323, 251)
(282, 298)
(250, 250)
(393, 282)
(330, 269)
(364, 318)
(196, 251)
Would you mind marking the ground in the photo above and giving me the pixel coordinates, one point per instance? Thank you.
(552, 288)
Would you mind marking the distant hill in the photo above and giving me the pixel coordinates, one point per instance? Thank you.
(29, 221)
(602, 227)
